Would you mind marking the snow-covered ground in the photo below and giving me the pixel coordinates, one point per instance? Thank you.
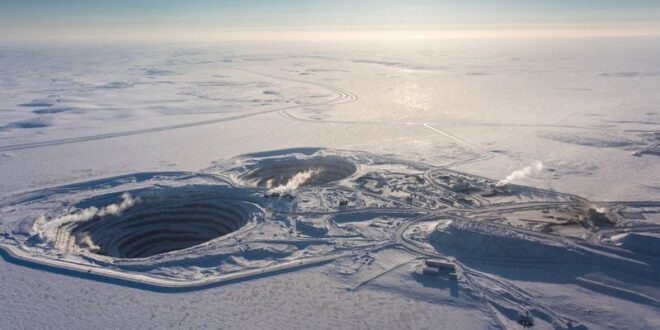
(531, 165)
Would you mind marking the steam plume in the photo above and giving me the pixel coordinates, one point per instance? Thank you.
(537, 166)
(90, 212)
(293, 183)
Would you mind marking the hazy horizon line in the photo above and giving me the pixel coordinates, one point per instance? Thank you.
(275, 33)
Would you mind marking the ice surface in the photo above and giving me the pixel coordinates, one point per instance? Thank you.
(75, 122)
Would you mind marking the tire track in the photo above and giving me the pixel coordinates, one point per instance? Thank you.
(341, 97)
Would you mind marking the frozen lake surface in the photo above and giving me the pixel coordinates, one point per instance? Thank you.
(304, 185)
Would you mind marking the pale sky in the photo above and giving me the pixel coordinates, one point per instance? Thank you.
(206, 20)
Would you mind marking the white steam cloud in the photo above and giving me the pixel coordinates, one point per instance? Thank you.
(537, 166)
(86, 241)
(293, 183)
(113, 209)
(84, 215)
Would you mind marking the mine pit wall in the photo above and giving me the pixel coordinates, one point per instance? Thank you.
(279, 172)
(150, 230)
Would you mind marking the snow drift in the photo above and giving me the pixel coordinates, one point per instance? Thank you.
(478, 238)
(639, 242)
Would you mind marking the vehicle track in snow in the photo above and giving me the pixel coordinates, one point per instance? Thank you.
(341, 96)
